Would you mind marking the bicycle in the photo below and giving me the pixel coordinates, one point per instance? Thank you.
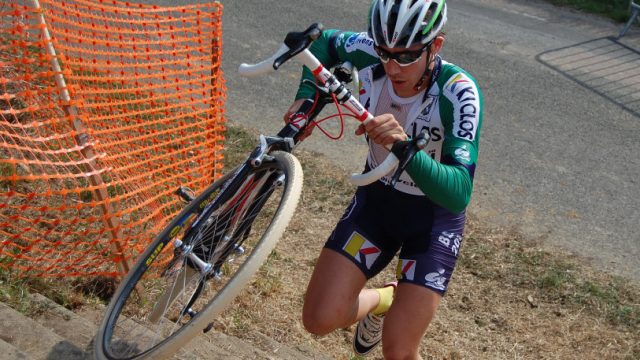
(199, 263)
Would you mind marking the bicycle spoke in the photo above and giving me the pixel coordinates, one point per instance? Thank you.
(184, 282)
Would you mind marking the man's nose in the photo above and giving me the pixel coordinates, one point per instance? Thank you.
(392, 67)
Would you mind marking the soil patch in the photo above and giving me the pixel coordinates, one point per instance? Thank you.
(509, 298)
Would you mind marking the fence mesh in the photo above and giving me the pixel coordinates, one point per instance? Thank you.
(91, 151)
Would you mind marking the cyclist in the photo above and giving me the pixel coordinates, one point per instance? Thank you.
(409, 88)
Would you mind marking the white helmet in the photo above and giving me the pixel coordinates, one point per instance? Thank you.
(403, 23)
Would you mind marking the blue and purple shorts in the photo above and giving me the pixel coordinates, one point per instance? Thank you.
(380, 221)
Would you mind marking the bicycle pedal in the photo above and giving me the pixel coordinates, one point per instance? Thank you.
(185, 193)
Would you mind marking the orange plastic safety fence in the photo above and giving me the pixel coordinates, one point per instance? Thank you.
(106, 108)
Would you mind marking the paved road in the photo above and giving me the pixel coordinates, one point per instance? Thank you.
(558, 160)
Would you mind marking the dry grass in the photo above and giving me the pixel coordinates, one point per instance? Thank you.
(509, 298)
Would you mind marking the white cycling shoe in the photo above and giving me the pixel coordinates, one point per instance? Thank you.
(369, 331)
(368, 334)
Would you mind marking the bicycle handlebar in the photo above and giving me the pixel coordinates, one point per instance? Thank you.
(263, 67)
(336, 87)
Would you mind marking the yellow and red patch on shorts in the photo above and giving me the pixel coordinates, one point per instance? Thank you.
(361, 249)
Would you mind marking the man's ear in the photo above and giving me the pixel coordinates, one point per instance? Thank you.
(437, 44)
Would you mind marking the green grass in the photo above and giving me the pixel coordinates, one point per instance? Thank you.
(15, 291)
(617, 10)
(74, 292)
(238, 144)
(7, 170)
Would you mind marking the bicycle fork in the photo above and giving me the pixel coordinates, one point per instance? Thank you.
(250, 198)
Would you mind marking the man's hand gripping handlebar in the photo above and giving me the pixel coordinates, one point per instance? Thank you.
(296, 46)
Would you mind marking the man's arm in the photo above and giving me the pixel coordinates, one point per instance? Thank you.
(335, 47)
(449, 183)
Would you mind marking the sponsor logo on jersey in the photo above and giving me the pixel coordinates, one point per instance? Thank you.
(463, 154)
(360, 42)
(456, 81)
(339, 40)
(362, 250)
(406, 269)
(425, 114)
(436, 280)
(424, 118)
(466, 106)
(387, 181)
(434, 132)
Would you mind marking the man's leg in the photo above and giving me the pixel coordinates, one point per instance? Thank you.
(407, 320)
(334, 297)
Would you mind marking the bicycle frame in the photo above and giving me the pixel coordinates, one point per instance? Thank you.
(296, 47)
(239, 189)
(286, 140)
(243, 188)
(248, 207)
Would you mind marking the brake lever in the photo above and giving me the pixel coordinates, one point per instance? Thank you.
(405, 151)
(297, 42)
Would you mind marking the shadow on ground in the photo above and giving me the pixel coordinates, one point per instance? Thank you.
(603, 65)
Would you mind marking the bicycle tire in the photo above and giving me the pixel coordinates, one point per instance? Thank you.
(123, 333)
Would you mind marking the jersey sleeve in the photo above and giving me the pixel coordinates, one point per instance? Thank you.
(449, 183)
(334, 47)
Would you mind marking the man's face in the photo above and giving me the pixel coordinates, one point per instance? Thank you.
(404, 73)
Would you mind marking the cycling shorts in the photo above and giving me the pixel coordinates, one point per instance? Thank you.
(380, 220)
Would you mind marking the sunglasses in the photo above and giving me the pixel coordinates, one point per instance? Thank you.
(404, 58)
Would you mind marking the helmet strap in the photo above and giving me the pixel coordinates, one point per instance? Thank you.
(426, 76)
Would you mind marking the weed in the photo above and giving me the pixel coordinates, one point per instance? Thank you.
(611, 300)
(15, 292)
(555, 279)
(101, 287)
(86, 195)
(238, 144)
(7, 170)
(617, 10)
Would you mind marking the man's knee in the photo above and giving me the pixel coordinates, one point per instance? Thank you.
(318, 322)
(395, 351)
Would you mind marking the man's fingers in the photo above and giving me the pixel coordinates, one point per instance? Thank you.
(293, 109)
(382, 129)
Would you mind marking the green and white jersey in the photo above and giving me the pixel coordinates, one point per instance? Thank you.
(450, 111)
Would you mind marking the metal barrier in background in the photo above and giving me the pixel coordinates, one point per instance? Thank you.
(603, 65)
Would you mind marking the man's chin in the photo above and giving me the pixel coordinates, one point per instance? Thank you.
(402, 88)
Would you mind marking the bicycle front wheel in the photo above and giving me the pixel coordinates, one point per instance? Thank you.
(200, 262)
